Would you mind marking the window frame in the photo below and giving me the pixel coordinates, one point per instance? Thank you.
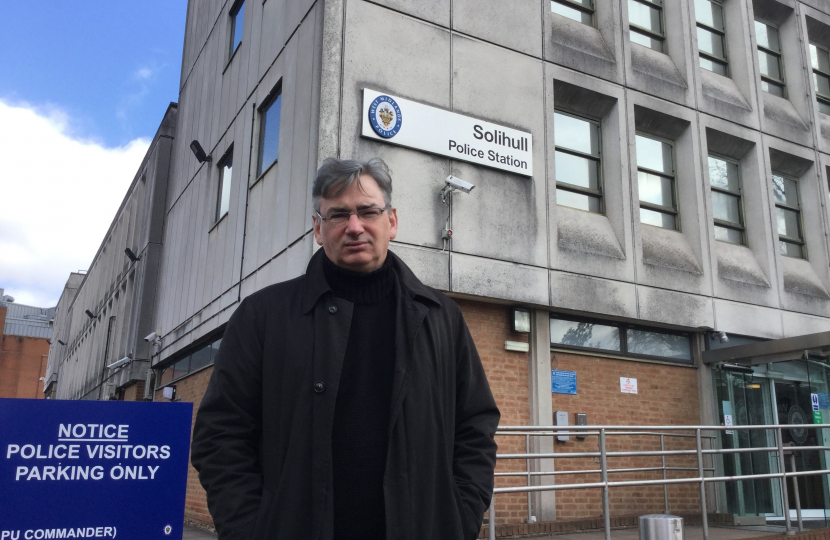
(636, 28)
(220, 166)
(722, 34)
(821, 98)
(673, 177)
(573, 188)
(782, 84)
(801, 242)
(160, 370)
(742, 215)
(267, 103)
(623, 329)
(579, 7)
(233, 13)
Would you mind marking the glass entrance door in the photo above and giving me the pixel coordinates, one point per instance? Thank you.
(746, 400)
(797, 382)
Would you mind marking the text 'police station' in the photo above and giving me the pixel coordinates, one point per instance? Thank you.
(496, 137)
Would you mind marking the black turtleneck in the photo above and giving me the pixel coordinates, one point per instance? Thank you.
(361, 412)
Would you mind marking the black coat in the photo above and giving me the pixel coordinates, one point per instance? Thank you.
(262, 437)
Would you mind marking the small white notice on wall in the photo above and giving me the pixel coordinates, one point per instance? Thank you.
(727, 421)
(628, 385)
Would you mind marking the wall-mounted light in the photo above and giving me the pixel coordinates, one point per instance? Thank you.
(737, 368)
(62, 343)
(132, 256)
(169, 392)
(199, 152)
(89, 314)
(720, 336)
(520, 320)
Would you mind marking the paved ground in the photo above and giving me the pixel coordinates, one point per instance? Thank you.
(194, 533)
(692, 532)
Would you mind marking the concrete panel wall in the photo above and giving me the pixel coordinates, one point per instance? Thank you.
(510, 226)
(210, 262)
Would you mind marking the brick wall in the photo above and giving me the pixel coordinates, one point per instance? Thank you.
(507, 373)
(667, 395)
(22, 364)
(134, 392)
(192, 389)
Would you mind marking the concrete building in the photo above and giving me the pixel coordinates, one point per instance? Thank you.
(678, 191)
(24, 348)
(104, 314)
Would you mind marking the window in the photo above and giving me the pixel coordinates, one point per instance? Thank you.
(769, 58)
(269, 132)
(645, 18)
(726, 200)
(788, 212)
(223, 191)
(194, 361)
(620, 338)
(237, 14)
(710, 36)
(820, 60)
(577, 10)
(578, 163)
(655, 176)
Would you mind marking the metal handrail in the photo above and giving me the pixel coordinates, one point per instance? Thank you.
(602, 432)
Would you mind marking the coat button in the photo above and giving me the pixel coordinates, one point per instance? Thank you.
(332, 309)
(319, 387)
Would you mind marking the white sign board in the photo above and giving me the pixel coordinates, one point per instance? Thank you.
(414, 125)
(727, 421)
(628, 386)
(814, 400)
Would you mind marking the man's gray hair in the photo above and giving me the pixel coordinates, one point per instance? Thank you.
(335, 176)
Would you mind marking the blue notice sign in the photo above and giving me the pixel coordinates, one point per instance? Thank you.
(93, 469)
(563, 382)
(823, 400)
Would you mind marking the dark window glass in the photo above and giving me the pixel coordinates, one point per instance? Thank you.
(200, 358)
(584, 334)
(181, 367)
(237, 25)
(726, 200)
(269, 135)
(645, 19)
(658, 344)
(578, 165)
(788, 216)
(578, 10)
(710, 36)
(655, 179)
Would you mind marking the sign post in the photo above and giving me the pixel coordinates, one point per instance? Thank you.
(93, 469)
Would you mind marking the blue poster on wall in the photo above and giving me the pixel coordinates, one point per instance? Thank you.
(563, 382)
(93, 469)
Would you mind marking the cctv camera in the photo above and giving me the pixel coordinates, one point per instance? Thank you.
(151, 337)
(456, 183)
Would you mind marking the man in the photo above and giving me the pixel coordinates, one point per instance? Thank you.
(349, 402)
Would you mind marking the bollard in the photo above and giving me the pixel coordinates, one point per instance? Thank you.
(661, 527)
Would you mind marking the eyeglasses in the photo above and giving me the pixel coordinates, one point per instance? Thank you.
(364, 214)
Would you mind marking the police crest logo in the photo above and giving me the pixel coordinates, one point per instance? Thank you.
(385, 116)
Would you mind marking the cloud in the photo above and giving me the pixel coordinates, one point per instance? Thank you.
(58, 196)
(143, 73)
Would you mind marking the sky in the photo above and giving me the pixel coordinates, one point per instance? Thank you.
(84, 86)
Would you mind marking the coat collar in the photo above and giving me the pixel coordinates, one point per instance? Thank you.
(316, 284)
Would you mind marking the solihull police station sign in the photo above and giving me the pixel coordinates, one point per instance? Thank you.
(414, 125)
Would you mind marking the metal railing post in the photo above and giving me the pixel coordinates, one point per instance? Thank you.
(703, 515)
(491, 518)
(782, 470)
(796, 495)
(665, 486)
(606, 506)
(530, 518)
